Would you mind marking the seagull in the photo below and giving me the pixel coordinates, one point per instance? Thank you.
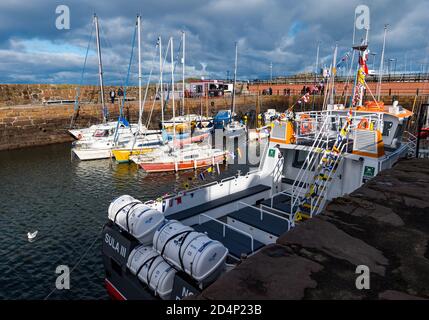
(32, 235)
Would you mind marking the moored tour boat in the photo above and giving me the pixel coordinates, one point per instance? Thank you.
(310, 159)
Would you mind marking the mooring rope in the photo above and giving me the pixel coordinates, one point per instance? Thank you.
(78, 262)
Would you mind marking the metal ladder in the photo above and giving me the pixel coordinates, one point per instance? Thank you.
(321, 139)
(299, 187)
(317, 184)
(411, 141)
(315, 198)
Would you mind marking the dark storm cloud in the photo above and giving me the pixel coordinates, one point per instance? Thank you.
(282, 32)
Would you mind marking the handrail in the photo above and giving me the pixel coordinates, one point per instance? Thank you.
(308, 163)
(323, 185)
(285, 192)
(279, 163)
(265, 211)
(229, 226)
(310, 160)
(277, 210)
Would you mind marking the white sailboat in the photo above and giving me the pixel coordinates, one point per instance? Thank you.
(144, 140)
(87, 133)
(170, 157)
(183, 119)
(98, 144)
(235, 128)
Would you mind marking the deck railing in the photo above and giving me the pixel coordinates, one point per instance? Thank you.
(225, 225)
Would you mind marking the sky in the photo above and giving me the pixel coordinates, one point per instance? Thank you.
(282, 32)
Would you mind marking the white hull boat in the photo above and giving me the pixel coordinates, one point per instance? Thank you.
(299, 173)
(235, 129)
(195, 235)
(191, 156)
(100, 144)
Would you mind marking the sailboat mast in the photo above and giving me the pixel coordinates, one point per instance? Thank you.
(333, 72)
(140, 71)
(183, 73)
(380, 76)
(161, 89)
(317, 60)
(172, 90)
(100, 68)
(235, 79)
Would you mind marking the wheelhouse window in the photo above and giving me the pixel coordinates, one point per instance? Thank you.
(399, 131)
(387, 126)
(299, 158)
(101, 133)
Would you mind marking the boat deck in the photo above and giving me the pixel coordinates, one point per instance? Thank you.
(281, 202)
(271, 224)
(240, 242)
(191, 212)
(237, 243)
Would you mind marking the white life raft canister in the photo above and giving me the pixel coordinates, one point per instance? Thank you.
(190, 251)
(136, 218)
(152, 269)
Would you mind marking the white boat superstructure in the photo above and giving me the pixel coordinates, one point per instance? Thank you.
(270, 115)
(85, 133)
(300, 149)
(235, 129)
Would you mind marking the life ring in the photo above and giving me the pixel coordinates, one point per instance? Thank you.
(306, 125)
(363, 124)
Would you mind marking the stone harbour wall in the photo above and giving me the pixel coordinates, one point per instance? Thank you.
(25, 94)
(33, 125)
(26, 121)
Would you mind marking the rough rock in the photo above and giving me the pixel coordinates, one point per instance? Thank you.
(383, 225)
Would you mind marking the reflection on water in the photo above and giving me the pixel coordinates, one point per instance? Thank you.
(66, 201)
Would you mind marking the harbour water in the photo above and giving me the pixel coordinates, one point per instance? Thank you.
(42, 189)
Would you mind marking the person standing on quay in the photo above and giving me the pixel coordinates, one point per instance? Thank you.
(112, 96)
(120, 95)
